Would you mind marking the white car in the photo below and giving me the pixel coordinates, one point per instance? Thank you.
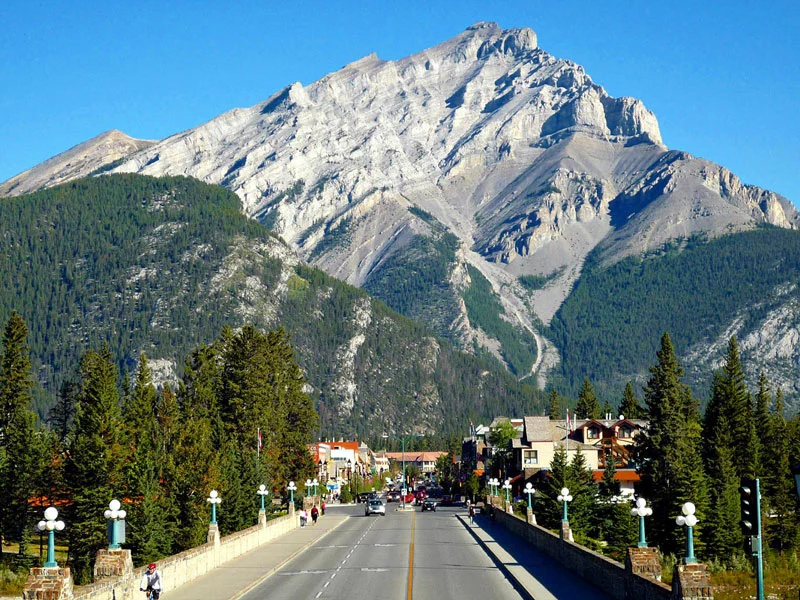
(374, 507)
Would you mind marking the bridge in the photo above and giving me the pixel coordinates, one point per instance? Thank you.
(403, 555)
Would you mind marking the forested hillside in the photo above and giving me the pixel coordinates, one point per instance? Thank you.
(162, 265)
(700, 291)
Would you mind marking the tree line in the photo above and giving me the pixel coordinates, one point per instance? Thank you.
(683, 456)
(159, 451)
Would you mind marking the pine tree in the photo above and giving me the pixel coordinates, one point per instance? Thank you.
(722, 534)
(739, 410)
(584, 493)
(63, 411)
(588, 406)
(779, 490)
(762, 421)
(548, 507)
(630, 407)
(21, 448)
(668, 454)
(556, 408)
(94, 465)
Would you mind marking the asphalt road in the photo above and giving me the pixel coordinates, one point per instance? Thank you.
(370, 557)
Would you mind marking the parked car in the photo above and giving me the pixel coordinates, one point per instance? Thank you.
(429, 504)
(447, 500)
(409, 499)
(393, 496)
(374, 507)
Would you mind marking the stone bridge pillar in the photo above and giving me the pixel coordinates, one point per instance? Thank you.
(691, 582)
(644, 562)
(213, 535)
(113, 563)
(48, 583)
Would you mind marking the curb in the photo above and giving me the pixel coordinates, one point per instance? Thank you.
(280, 565)
(515, 582)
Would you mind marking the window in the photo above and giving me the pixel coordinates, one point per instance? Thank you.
(530, 457)
(625, 432)
(592, 433)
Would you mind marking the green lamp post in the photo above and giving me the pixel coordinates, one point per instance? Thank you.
(565, 498)
(114, 516)
(688, 519)
(641, 510)
(213, 499)
(262, 491)
(51, 525)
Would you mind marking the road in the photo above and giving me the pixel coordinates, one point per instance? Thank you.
(370, 557)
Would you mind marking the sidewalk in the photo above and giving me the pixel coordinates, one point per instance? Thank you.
(235, 578)
(533, 575)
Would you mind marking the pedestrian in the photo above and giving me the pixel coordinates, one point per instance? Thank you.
(314, 514)
(303, 517)
(151, 582)
(323, 507)
(471, 513)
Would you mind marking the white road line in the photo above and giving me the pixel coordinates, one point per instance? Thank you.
(318, 595)
(327, 583)
(333, 575)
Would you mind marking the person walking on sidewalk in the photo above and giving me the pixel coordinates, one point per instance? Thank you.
(303, 517)
(471, 514)
(314, 514)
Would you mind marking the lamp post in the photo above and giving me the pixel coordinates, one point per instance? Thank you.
(315, 483)
(493, 483)
(51, 525)
(404, 488)
(507, 488)
(689, 519)
(214, 499)
(262, 491)
(319, 470)
(292, 487)
(529, 490)
(641, 510)
(564, 497)
(114, 514)
(308, 487)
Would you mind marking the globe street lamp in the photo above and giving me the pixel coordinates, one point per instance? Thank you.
(315, 483)
(308, 487)
(262, 491)
(493, 483)
(641, 510)
(214, 499)
(564, 497)
(292, 487)
(51, 525)
(114, 515)
(404, 489)
(688, 519)
(529, 490)
(507, 488)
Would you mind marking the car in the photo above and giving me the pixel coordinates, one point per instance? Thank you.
(429, 504)
(447, 500)
(374, 507)
(409, 498)
(393, 496)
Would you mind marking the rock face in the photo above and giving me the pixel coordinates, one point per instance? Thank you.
(519, 154)
(79, 161)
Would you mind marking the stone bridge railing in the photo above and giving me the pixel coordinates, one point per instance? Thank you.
(116, 579)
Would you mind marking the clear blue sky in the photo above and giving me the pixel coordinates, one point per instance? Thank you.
(723, 78)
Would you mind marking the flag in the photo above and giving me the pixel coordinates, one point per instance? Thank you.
(569, 423)
(259, 441)
(471, 428)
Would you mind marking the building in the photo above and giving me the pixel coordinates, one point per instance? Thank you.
(424, 461)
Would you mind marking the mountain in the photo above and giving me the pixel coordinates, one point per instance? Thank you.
(97, 154)
(162, 265)
(467, 185)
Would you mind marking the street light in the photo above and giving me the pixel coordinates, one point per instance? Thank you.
(529, 490)
(404, 489)
(507, 488)
(493, 483)
(308, 487)
(564, 497)
(114, 515)
(51, 525)
(641, 510)
(214, 499)
(315, 483)
(292, 487)
(688, 519)
(262, 491)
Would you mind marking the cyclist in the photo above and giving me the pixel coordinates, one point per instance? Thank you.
(151, 582)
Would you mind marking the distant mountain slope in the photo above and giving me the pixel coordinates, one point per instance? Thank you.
(700, 291)
(100, 152)
(465, 185)
(161, 265)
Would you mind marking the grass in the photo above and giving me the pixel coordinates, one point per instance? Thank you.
(13, 576)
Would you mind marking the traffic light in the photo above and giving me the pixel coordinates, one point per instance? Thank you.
(748, 502)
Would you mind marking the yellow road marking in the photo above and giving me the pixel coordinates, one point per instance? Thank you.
(411, 557)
